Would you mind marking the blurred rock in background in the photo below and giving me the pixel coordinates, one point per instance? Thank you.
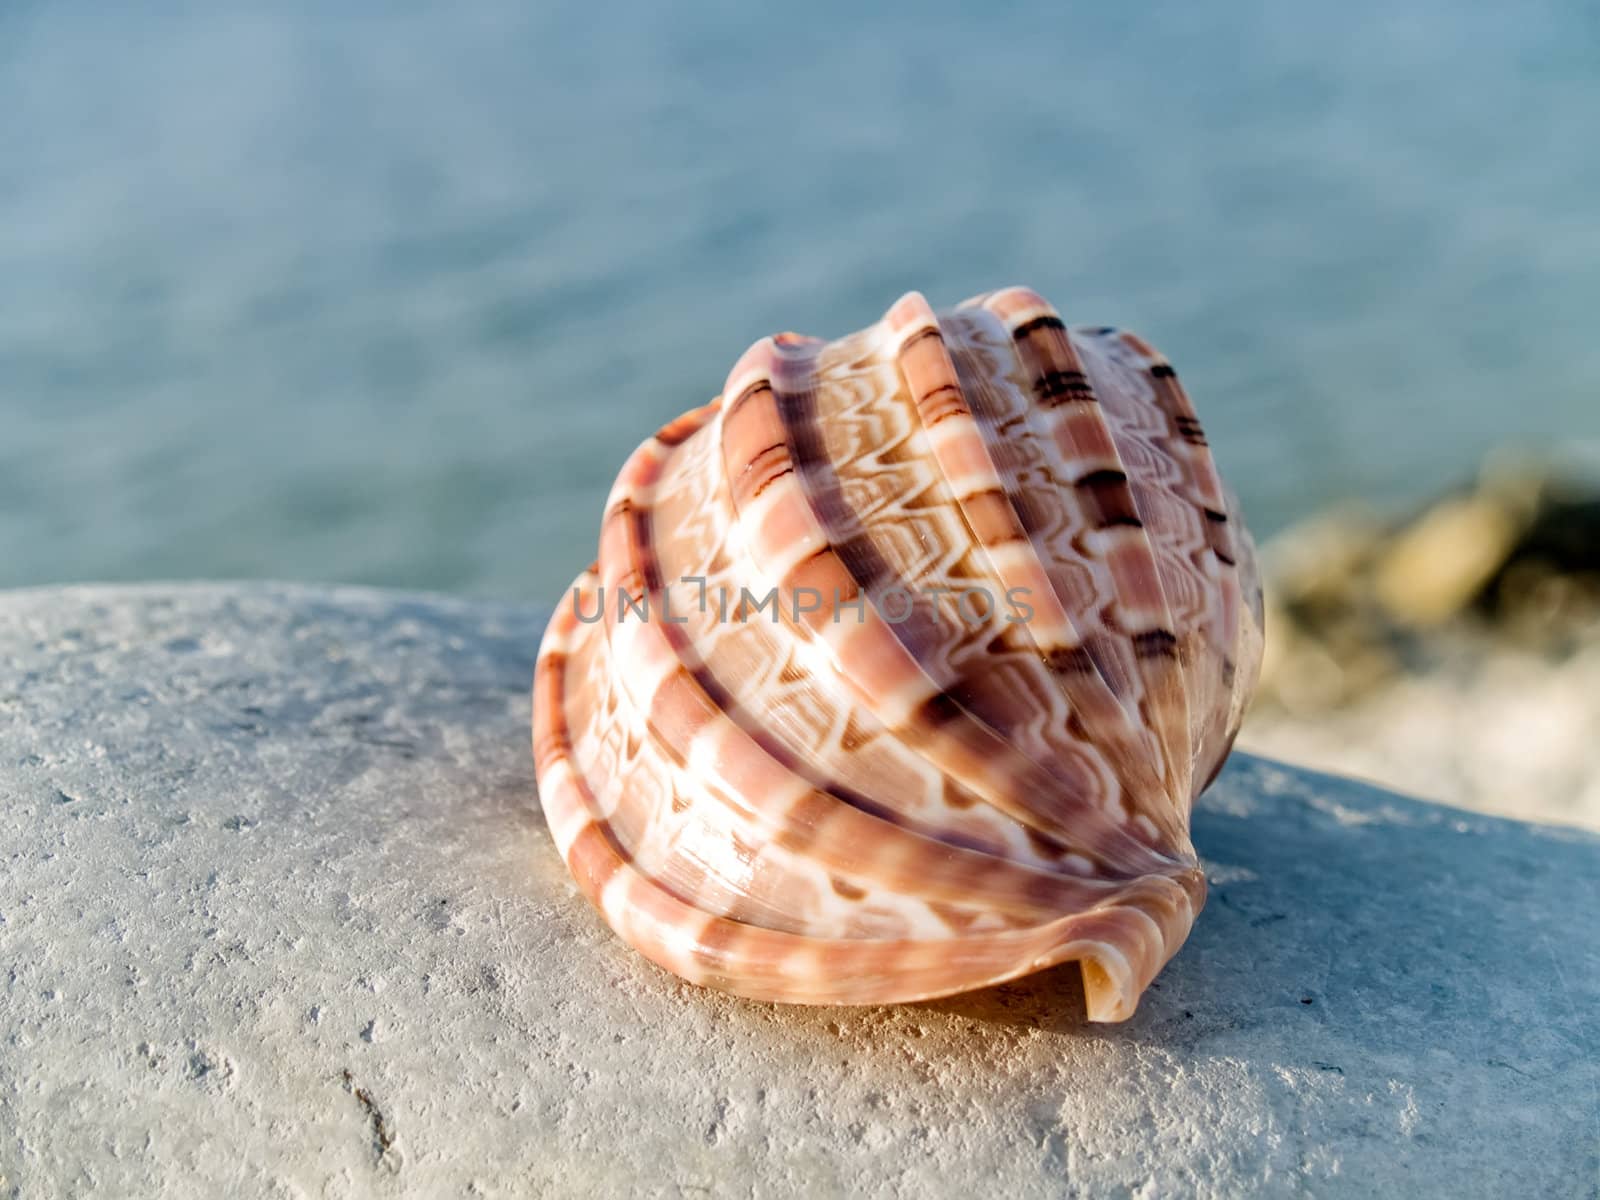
(1455, 653)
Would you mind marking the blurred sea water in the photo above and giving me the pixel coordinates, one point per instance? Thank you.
(386, 292)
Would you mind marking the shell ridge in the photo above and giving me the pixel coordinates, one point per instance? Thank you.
(1067, 416)
(1212, 556)
(1079, 426)
(792, 406)
(1125, 687)
(948, 416)
(751, 383)
(1077, 674)
(1161, 482)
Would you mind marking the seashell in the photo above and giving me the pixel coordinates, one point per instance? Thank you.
(780, 762)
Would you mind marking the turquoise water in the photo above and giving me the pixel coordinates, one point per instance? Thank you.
(385, 292)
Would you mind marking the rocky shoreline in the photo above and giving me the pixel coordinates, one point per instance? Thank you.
(1453, 653)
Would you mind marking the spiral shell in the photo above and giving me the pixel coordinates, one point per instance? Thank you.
(901, 664)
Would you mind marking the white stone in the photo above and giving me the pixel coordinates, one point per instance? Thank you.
(279, 916)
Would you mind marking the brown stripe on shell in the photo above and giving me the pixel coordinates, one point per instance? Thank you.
(1100, 475)
(927, 362)
(1197, 488)
(1005, 417)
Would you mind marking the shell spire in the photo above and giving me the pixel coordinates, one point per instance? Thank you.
(901, 664)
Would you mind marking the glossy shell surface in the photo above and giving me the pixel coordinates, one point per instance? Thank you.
(901, 664)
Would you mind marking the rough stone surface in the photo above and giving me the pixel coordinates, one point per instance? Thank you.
(279, 916)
